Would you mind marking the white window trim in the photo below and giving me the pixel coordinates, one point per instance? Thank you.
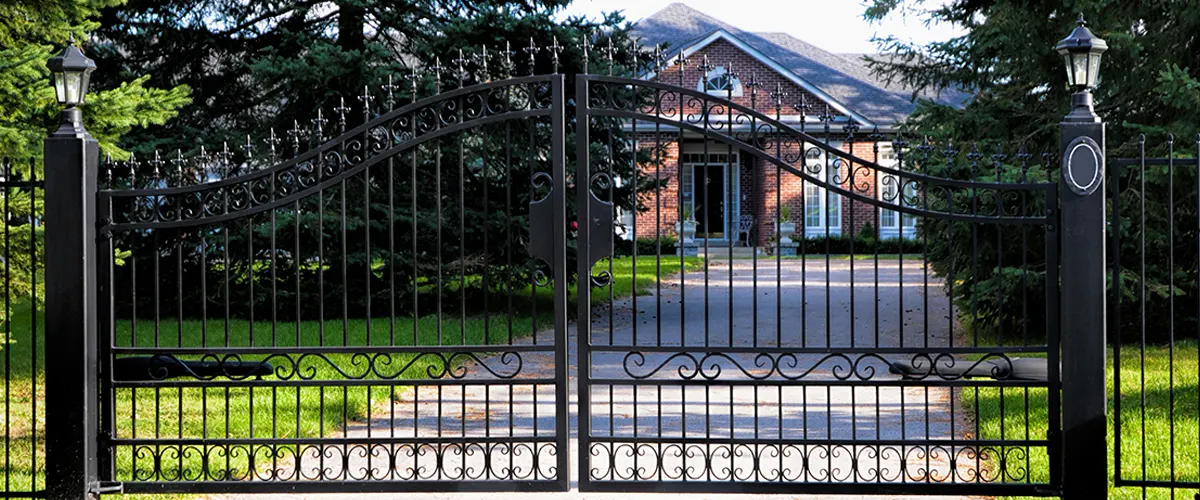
(701, 86)
(824, 197)
(902, 225)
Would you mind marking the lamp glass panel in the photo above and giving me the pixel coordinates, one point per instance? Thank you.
(1079, 63)
(60, 89)
(84, 81)
(73, 86)
(1093, 68)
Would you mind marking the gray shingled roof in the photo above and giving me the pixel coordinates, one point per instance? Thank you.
(845, 78)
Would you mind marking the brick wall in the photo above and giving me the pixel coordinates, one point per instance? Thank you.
(856, 214)
(724, 54)
(664, 201)
(765, 187)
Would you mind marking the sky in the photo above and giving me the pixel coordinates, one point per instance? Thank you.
(834, 25)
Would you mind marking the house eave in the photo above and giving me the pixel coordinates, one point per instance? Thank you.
(721, 34)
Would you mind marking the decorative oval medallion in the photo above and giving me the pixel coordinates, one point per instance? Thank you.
(1083, 166)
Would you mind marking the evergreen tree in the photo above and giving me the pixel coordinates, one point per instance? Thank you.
(32, 31)
(261, 68)
(1149, 84)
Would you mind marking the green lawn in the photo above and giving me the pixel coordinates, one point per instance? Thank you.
(1156, 433)
(267, 411)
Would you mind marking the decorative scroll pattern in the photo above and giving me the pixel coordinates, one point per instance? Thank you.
(185, 196)
(363, 461)
(790, 366)
(921, 462)
(914, 186)
(356, 366)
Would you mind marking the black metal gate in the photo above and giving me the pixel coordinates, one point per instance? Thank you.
(325, 349)
(859, 314)
(812, 356)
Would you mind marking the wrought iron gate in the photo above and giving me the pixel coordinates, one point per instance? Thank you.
(329, 350)
(267, 320)
(813, 371)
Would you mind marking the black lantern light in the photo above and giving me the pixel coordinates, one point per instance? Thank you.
(1081, 51)
(71, 71)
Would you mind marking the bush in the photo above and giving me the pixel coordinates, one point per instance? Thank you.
(862, 245)
(648, 246)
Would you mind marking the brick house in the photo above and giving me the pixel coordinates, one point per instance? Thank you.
(742, 190)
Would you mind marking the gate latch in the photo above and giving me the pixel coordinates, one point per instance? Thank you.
(106, 488)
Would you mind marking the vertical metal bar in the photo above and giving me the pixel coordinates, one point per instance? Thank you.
(105, 324)
(1171, 304)
(1115, 325)
(562, 391)
(583, 293)
(71, 166)
(7, 171)
(1083, 315)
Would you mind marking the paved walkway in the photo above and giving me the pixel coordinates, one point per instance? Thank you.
(820, 309)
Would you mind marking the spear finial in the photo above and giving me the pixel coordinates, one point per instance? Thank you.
(681, 60)
(705, 66)
(157, 163)
(178, 163)
(319, 126)
(778, 95)
(248, 149)
(273, 140)
(341, 111)
(610, 53)
(460, 71)
(295, 133)
(413, 83)
(554, 49)
(506, 61)
(532, 50)
(390, 89)
(366, 99)
(133, 164)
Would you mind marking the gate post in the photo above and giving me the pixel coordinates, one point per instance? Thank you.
(71, 165)
(1081, 191)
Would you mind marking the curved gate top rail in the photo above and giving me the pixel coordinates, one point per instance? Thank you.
(236, 194)
(653, 105)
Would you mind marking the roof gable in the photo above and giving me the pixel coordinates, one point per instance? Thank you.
(722, 34)
(846, 82)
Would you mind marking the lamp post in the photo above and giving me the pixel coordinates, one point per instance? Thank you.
(1082, 307)
(72, 288)
(71, 72)
(1081, 51)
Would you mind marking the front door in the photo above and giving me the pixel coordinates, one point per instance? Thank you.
(708, 198)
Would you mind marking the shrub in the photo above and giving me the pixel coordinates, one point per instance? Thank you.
(863, 245)
(648, 246)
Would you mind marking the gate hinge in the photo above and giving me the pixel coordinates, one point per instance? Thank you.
(106, 488)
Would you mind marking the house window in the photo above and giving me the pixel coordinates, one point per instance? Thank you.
(893, 224)
(720, 83)
(822, 208)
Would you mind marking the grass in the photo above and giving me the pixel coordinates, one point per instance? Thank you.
(1153, 440)
(263, 412)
